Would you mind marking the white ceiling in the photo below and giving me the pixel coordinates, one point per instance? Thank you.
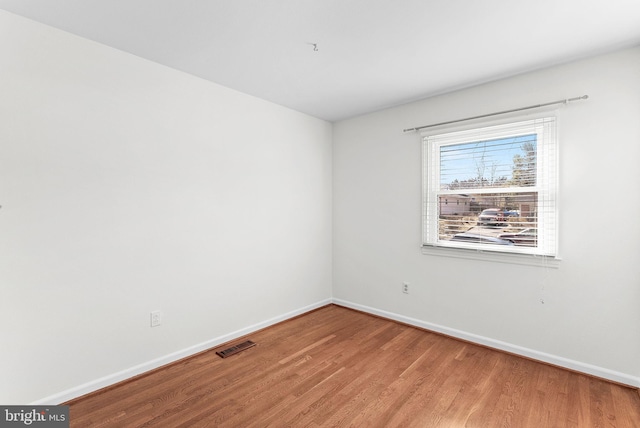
(371, 54)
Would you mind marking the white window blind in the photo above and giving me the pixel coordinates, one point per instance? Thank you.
(492, 188)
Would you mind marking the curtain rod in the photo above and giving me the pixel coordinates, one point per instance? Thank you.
(565, 101)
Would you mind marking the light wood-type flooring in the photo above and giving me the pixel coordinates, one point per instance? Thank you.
(335, 367)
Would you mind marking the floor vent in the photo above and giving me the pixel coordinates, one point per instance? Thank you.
(235, 349)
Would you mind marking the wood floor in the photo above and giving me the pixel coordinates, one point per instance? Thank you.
(335, 367)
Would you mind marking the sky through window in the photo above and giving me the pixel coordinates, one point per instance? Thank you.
(492, 161)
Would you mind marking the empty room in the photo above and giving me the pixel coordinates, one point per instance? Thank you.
(319, 213)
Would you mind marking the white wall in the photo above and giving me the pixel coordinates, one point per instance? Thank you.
(128, 187)
(590, 318)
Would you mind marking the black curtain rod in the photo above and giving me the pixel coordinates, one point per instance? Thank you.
(565, 101)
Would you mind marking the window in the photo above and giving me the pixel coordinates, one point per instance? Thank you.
(492, 189)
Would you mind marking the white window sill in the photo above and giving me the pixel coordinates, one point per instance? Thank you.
(493, 256)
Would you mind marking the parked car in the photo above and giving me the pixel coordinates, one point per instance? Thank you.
(512, 213)
(526, 237)
(491, 217)
(479, 239)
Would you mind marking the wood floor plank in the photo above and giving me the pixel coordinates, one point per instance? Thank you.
(336, 367)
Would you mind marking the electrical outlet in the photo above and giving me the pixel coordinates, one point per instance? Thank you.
(405, 287)
(156, 318)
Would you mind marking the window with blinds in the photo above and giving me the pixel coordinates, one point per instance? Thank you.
(492, 188)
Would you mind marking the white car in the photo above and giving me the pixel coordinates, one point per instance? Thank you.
(491, 217)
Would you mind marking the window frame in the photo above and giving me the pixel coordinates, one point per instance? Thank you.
(544, 125)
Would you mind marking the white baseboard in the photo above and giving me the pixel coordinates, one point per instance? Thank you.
(577, 366)
(114, 378)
